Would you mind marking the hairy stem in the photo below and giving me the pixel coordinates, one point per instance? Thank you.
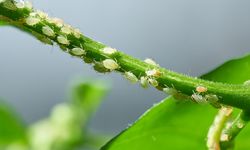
(214, 133)
(233, 129)
(53, 30)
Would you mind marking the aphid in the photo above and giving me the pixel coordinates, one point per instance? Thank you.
(240, 125)
(78, 51)
(33, 14)
(110, 64)
(89, 60)
(201, 89)
(181, 96)
(48, 31)
(153, 82)
(151, 62)
(20, 5)
(224, 137)
(9, 5)
(100, 68)
(77, 33)
(213, 100)
(63, 40)
(58, 22)
(198, 98)
(42, 14)
(66, 30)
(28, 5)
(227, 111)
(31, 21)
(45, 40)
(153, 72)
(109, 50)
(131, 77)
(144, 82)
(170, 91)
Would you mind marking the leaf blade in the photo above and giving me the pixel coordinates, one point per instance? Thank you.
(11, 127)
(172, 135)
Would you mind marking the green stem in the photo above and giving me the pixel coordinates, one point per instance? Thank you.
(233, 129)
(214, 133)
(228, 94)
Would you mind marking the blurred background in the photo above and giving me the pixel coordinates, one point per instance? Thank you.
(190, 37)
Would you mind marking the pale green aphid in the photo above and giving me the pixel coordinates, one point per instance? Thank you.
(240, 125)
(131, 77)
(20, 5)
(213, 100)
(77, 33)
(78, 51)
(31, 21)
(62, 40)
(224, 137)
(144, 82)
(110, 64)
(9, 5)
(153, 82)
(28, 5)
(58, 22)
(198, 98)
(109, 50)
(42, 14)
(153, 72)
(48, 31)
(170, 91)
(66, 30)
(151, 62)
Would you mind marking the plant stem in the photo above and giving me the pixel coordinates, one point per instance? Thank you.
(94, 53)
(233, 129)
(214, 133)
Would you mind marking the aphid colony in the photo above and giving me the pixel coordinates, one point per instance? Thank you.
(149, 78)
(38, 16)
(144, 80)
(199, 96)
(48, 25)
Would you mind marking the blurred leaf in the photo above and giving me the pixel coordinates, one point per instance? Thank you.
(87, 95)
(63, 130)
(179, 126)
(11, 126)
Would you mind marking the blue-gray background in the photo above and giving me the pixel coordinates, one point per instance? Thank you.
(188, 36)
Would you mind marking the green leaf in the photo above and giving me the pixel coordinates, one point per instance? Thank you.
(11, 126)
(235, 71)
(179, 126)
